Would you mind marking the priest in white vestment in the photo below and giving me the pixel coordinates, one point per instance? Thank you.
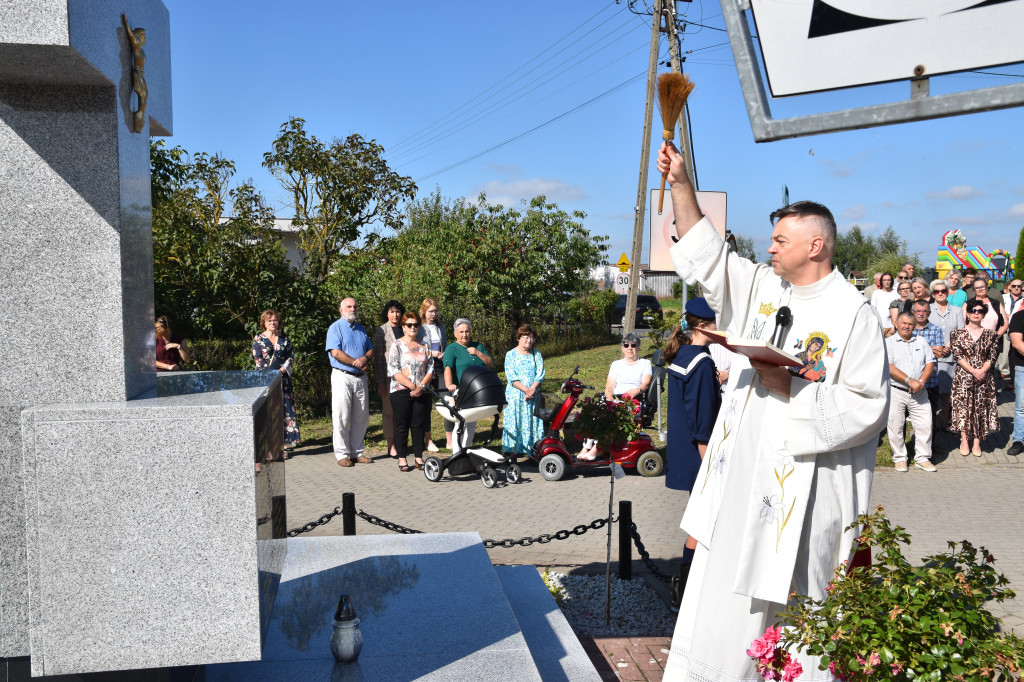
(791, 457)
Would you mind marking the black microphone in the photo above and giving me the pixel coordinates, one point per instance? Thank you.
(783, 319)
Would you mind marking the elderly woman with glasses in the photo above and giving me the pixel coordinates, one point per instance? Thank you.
(411, 369)
(948, 318)
(629, 376)
(457, 357)
(975, 350)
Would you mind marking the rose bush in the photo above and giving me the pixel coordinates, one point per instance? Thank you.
(892, 620)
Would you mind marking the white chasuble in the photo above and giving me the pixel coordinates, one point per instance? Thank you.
(781, 478)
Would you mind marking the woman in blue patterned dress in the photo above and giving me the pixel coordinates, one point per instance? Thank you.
(271, 349)
(524, 371)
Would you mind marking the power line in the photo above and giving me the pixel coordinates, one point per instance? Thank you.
(455, 125)
(494, 108)
(532, 104)
(535, 128)
(441, 120)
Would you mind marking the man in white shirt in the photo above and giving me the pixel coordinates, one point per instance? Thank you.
(789, 464)
(911, 363)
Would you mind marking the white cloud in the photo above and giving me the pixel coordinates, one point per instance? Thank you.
(891, 205)
(1016, 211)
(511, 192)
(854, 212)
(958, 193)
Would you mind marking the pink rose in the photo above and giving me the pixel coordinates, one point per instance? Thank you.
(791, 670)
(760, 649)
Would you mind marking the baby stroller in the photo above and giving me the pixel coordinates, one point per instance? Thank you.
(480, 395)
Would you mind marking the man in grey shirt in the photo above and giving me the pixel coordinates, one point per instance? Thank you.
(911, 363)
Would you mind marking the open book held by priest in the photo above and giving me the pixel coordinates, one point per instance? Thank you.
(755, 349)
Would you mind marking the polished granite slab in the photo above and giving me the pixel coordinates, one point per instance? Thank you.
(556, 650)
(431, 608)
(155, 527)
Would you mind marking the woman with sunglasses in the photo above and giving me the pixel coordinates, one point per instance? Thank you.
(411, 368)
(901, 304)
(948, 318)
(975, 350)
(630, 376)
(882, 297)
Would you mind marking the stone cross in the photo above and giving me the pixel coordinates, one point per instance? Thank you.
(76, 266)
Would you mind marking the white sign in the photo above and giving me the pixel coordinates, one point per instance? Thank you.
(622, 282)
(662, 226)
(811, 45)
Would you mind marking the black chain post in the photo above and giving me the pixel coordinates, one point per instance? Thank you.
(625, 540)
(348, 513)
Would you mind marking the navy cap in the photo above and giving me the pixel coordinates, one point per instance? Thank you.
(698, 307)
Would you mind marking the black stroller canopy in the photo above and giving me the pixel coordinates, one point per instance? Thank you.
(478, 387)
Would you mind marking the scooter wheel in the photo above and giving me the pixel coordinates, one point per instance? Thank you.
(432, 469)
(513, 474)
(650, 464)
(552, 467)
(489, 477)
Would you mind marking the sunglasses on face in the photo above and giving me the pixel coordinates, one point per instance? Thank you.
(1015, 286)
(941, 291)
(413, 325)
(976, 311)
(629, 345)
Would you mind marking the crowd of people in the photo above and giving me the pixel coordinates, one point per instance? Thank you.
(948, 342)
(413, 362)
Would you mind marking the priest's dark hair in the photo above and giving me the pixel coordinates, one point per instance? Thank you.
(811, 209)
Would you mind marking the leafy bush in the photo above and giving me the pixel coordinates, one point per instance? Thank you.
(610, 423)
(896, 621)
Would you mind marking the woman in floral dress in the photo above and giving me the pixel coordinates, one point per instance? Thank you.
(271, 349)
(975, 350)
(524, 371)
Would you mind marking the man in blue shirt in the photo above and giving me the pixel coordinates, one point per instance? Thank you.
(350, 351)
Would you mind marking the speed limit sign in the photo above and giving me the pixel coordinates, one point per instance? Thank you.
(622, 282)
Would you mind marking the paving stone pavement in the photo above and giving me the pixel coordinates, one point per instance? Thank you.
(968, 498)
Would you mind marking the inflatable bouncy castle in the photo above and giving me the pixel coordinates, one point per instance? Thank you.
(954, 254)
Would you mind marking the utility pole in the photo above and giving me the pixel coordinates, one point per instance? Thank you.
(629, 315)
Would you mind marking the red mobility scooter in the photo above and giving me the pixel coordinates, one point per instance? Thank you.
(553, 457)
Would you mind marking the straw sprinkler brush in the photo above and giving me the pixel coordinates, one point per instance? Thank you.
(673, 89)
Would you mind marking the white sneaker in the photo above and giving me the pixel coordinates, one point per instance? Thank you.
(901, 466)
(431, 447)
(925, 465)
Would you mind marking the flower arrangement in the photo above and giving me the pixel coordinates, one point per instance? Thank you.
(891, 620)
(609, 423)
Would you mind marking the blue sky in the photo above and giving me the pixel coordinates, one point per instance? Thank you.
(439, 84)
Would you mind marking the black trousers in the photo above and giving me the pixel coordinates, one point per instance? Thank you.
(411, 414)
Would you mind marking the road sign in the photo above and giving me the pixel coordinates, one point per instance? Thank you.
(622, 283)
(623, 263)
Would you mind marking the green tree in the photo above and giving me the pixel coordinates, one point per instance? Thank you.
(1018, 262)
(855, 250)
(745, 248)
(338, 190)
(217, 261)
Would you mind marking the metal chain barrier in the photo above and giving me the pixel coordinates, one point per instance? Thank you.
(646, 556)
(545, 538)
(507, 543)
(377, 521)
(313, 524)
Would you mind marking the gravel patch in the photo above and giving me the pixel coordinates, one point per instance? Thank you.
(636, 610)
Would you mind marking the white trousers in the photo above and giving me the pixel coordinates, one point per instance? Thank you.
(916, 405)
(350, 411)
